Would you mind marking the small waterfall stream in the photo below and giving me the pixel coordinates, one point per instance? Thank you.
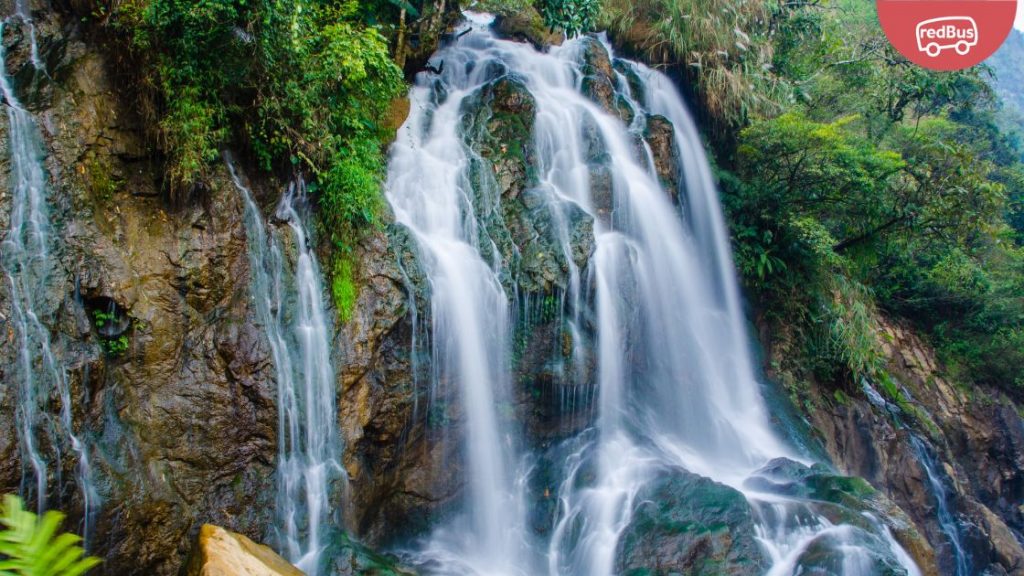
(943, 506)
(30, 265)
(289, 305)
(677, 387)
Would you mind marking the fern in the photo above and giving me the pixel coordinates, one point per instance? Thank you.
(31, 546)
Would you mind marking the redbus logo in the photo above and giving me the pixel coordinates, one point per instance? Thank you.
(947, 34)
(957, 32)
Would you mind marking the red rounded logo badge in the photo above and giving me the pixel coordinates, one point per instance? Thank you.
(947, 34)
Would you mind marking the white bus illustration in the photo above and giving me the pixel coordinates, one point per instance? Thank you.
(957, 32)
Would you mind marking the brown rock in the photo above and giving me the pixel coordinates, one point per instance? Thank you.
(222, 553)
(660, 136)
(527, 26)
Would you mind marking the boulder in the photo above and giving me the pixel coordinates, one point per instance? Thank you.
(660, 136)
(526, 25)
(219, 552)
(687, 524)
(598, 75)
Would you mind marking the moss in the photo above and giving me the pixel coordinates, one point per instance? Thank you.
(99, 179)
(343, 286)
(841, 398)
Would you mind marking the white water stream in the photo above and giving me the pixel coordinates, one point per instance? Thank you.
(30, 265)
(677, 384)
(289, 303)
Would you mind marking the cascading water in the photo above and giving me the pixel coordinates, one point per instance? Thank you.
(944, 514)
(290, 307)
(28, 262)
(677, 384)
(431, 195)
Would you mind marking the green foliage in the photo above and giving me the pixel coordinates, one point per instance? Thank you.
(102, 318)
(882, 184)
(304, 84)
(343, 287)
(116, 346)
(31, 546)
(573, 16)
(112, 346)
(723, 45)
(99, 179)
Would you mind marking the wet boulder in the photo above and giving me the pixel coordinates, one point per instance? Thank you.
(848, 501)
(660, 136)
(526, 25)
(598, 75)
(687, 524)
(352, 558)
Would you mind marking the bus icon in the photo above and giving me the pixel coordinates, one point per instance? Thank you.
(957, 32)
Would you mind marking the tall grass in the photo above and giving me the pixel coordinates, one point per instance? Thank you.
(722, 45)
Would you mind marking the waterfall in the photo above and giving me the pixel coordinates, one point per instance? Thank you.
(29, 265)
(431, 195)
(945, 516)
(677, 386)
(289, 305)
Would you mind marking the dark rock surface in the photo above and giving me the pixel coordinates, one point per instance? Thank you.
(182, 425)
(685, 524)
(976, 438)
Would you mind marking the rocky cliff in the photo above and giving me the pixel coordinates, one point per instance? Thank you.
(178, 404)
(177, 401)
(927, 443)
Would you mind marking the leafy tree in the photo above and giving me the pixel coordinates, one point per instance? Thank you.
(881, 184)
(31, 546)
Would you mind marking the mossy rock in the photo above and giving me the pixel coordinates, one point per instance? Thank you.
(526, 25)
(845, 500)
(352, 558)
(686, 524)
(514, 212)
(871, 557)
(598, 75)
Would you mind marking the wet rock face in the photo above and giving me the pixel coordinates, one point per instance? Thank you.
(660, 136)
(516, 215)
(975, 439)
(401, 470)
(598, 75)
(522, 220)
(181, 422)
(686, 524)
(171, 382)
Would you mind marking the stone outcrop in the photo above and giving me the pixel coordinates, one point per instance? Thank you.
(877, 432)
(181, 424)
(686, 524)
(222, 553)
(526, 25)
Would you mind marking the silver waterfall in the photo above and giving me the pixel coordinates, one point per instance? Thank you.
(673, 391)
(287, 293)
(30, 265)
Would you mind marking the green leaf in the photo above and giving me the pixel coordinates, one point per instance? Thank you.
(32, 547)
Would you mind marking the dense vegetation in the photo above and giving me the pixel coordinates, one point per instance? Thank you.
(854, 181)
(304, 86)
